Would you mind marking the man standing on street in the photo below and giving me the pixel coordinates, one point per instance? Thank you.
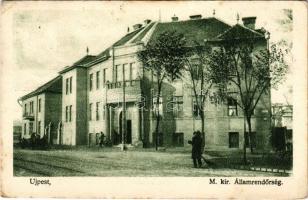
(196, 152)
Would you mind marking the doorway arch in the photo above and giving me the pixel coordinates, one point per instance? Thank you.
(128, 128)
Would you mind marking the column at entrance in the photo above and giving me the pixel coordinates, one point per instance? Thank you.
(107, 129)
(138, 124)
(137, 131)
(110, 123)
(142, 125)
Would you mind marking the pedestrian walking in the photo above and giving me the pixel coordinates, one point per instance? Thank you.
(196, 152)
(102, 139)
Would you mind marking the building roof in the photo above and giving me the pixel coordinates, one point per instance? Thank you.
(194, 30)
(127, 37)
(239, 32)
(84, 60)
(80, 63)
(54, 86)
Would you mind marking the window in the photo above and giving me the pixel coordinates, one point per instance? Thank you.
(196, 71)
(70, 113)
(91, 81)
(90, 111)
(253, 139)
(197, 112)
(156, 107)
(31, 107)
(39, 105)
(25, 111)
(66, 113)
(97, 111)
(233, 140)
(232, 107)
(31, 127)
(66, 85)
(97, 79)
(39, 127)
(104, 112)
(104, 75)
(178, 139)
(133, 71)
(127, 72)
(178, 106)
(71, 80)
(25, 128)
(119, 73)
(160, 141)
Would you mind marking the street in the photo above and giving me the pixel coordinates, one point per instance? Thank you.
(112, 162)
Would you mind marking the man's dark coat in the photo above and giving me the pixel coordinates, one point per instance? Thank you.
(196, 146)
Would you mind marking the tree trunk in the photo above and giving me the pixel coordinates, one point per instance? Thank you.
(156, 132)
(244, 145)
(202, 131)
(157, 115)
(249, 133)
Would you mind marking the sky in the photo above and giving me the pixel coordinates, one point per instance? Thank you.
(46, 39)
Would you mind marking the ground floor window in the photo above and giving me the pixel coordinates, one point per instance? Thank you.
(160, 139)
(157, 107)
(178, 139)
(97, 138)
(25, 129)
(233, 139)
(39, 127)
(252, 138)
(31, 127)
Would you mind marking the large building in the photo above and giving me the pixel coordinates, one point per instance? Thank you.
(93, 87)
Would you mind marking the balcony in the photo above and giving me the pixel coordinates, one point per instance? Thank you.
(131, 83)
(28, 116)
(115, 91)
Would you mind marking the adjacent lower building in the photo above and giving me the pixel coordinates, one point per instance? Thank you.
(42, 111)
(90, 98)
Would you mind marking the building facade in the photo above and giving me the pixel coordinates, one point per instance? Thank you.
(42, 111)
(93, 89)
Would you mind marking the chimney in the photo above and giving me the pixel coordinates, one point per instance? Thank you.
(249, 22)
(174, 18)
(195, 16)
(147, 21)
(137, 26)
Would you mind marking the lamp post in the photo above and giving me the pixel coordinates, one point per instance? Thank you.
(123, 147)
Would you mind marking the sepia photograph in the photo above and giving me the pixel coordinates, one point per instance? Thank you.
(152, 89)
(176, 94)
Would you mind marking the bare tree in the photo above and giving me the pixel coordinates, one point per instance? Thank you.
(196, 66)
(244, 73)
(164, 56)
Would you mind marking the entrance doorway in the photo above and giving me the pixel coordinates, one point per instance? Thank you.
(128, 131)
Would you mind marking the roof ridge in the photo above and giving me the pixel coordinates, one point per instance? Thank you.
(135, 36)
(205, 18)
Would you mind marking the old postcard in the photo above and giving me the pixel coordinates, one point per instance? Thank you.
(180, 99)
